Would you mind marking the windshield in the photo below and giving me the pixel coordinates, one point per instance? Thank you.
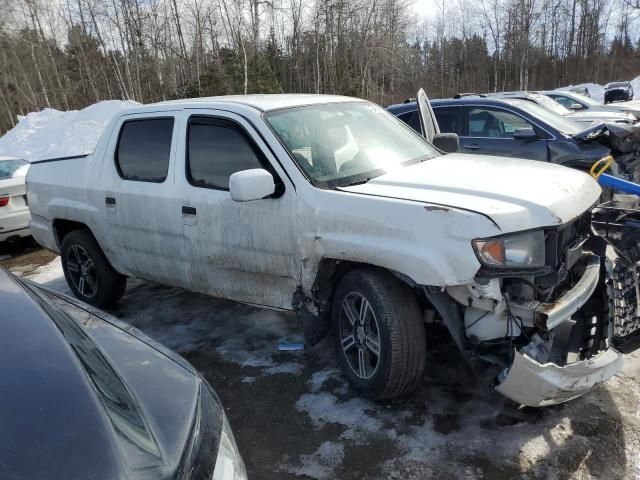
(560, 123)
(552, 105)
(617, 85)
(13, 168)
(578, 98)
(341, 144)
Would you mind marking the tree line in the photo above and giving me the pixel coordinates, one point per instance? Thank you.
(67, 54)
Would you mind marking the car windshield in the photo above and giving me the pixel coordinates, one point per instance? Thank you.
(560, 123)
(617, 84)
(13, 168)
(342, 144)
(578, 98)
(550, 104)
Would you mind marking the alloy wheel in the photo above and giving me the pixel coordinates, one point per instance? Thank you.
(359, 335)
(82, 271)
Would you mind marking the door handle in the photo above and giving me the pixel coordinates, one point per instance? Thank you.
(187, 210)
(473, 146)
(110, 204)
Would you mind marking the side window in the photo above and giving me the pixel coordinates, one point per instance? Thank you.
(144, 149)
(217, 149)
(494, 123)
(412, 119)
(447, 119)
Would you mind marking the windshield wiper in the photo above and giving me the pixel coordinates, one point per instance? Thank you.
(358, 182)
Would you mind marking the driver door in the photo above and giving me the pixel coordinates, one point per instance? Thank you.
(242, 251)
(428, 120)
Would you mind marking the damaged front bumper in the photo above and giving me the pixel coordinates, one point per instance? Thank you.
(538, 382)
(537, 385)
(549, 315)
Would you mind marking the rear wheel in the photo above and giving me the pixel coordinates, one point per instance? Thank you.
(379, 334)
(89, 274)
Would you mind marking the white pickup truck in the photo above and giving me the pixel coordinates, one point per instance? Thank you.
(331, 207)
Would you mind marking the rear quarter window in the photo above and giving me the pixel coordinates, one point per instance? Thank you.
(144, 149)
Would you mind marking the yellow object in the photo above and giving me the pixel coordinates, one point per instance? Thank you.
(601, 166)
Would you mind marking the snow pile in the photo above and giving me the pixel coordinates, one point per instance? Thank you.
(51, 133)
(595, 90)
(635, 83)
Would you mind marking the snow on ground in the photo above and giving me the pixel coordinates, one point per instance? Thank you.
(320, 464)
(51, 133)
(453, 426)
(218, 324)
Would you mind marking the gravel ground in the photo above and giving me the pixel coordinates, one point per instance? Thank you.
(295, 417)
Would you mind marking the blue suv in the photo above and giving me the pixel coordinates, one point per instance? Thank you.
(522, 129)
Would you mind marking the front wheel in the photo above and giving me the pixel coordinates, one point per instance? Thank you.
(89, 274)
(379, 333)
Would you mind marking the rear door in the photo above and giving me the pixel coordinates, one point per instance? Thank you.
(489, 130)
(143, 238)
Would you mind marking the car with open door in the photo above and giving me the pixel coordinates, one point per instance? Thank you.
(85, 396)
(514, 127)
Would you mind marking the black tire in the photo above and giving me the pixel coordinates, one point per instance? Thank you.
(89, 274)
(400, 333)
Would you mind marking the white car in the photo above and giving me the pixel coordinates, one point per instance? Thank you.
(331, 207)
(14, 211)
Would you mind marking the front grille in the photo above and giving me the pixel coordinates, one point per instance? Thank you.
(623, 305)
(563, 248)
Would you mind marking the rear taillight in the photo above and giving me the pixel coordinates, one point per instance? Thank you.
(4, 201)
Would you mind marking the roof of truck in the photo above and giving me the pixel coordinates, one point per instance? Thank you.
(263, 102)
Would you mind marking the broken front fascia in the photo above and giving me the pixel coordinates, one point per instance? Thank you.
(534, 384)
(531, 380)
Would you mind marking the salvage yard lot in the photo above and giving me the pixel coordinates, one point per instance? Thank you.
(295, 417)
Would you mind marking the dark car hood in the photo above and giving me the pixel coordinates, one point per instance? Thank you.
(81, 398)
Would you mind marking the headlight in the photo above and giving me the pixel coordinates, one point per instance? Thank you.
(520, 250)
(229, 464)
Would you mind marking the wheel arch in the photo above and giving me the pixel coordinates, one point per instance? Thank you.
(62, 227)
(332, 270)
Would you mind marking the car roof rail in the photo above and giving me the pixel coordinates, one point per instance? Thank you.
(409, 100)
(470, 94)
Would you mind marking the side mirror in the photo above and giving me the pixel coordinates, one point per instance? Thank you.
(576, 106)
(248, 185)
(447, 142)
(525, 134)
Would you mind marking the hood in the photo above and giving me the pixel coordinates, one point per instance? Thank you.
(599, 116)
(620, 138)
(83, 398)
(618, 88)
(516, 194)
